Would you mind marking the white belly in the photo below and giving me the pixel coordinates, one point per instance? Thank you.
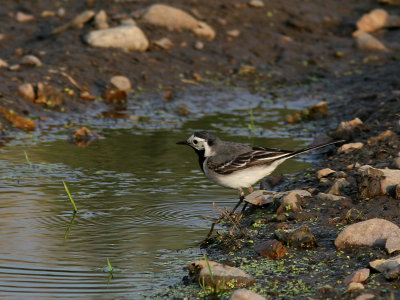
(243, 178)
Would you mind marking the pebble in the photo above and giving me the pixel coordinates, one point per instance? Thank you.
(347, 148)
(3, 63)
(121, 83)
(381, 137)
(199, 45)
(365, 296)
(47, 14)
(373, 232)
(329, 197)
(338, 185)
(233, 32)
(346, 129)
(291, 201)
(23, 17)
(389, 267)
(355, 286)
(373, 21)
(31, 60)
(14, 67)
(245, 294)
(324, 172)
(222, 274)
(124, 37)
(128, 21)
(256, 3)
(164, 43)
(357, 276)
(299, 237)
(272, 249)
(100, 20)
(27, 91)
(176, 19)
(375, 182)
(366, 42)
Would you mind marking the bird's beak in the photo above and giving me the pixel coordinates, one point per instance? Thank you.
(182, 143)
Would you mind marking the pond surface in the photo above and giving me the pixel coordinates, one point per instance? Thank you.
(141, 201)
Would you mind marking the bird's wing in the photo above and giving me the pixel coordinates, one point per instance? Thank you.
(257, 156)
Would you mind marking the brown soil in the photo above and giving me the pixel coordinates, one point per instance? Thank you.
(303, 45)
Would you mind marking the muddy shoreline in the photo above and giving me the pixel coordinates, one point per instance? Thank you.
(282, 53)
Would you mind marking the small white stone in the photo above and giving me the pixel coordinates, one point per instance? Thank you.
(31, 60)
(256, 3)
(121, 83)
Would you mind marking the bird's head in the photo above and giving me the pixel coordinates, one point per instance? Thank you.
(202, 141)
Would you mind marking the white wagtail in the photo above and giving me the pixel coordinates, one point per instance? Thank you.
(236, 165)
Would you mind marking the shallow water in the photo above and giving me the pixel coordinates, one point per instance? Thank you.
(140, 199)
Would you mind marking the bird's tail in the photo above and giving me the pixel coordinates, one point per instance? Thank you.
(294, 153)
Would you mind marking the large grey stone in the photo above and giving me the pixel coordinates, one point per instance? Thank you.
(373, 232)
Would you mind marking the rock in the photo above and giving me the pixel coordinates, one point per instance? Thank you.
(261, 197)
(164, 43)
(373, 232)
(27, 91)
(324, 172)
(49, 95)
(256, 3)
(199, 45)
(291, 201)
(124, 37)
(347, 148)
(398, 192)
(357, 276)
(373, 21)
(396, 163)
(366, 42)
(23, 17)
(299, 237)
(233, 33)
(31, 60)
(338, 185)
(330, 197)
(389, 267)
(346, 130)
(317, 111)
(100, 20)
(355, 286)
(3, 63)
(18, 121)
(176, 19)
(77, 22)
(121, 83)
(375, 182)
(222, 274)
(84, 136)
(14, 67)
(365, 296)
(128, 22)
(381, 137)
(272, 249)
(245, 294)
(47, 14)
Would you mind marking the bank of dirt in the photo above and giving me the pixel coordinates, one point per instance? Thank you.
(285, 50)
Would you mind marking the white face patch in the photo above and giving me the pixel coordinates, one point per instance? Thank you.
(197, 143)
(208, 151)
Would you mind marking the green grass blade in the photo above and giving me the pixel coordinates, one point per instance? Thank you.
(27, 158)
(110, 268)
(70, 197)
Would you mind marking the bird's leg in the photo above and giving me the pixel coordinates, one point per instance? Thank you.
(250, 189)
(241, 197)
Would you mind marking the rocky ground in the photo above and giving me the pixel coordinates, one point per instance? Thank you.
(49, 70)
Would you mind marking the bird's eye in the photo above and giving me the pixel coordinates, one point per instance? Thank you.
(195, 142)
